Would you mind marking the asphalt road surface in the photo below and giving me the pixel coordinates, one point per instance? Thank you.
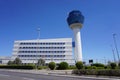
(7, 75)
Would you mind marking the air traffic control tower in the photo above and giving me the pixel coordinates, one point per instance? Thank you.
(75, 21)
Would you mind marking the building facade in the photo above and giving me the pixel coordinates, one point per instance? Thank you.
(57, 50)
(4, 59)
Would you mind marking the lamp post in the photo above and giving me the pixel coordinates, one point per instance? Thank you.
(113, 54)
(105, 60)
(115, 43)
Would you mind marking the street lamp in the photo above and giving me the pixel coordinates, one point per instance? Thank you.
(115, 43)
(113, 54)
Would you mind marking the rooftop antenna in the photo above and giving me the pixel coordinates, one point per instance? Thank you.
(38, 30)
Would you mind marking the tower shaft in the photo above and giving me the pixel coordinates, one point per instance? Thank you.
(78, 47)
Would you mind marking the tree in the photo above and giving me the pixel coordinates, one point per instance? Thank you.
(17, 61)
(113, 65)
(41, 62)
(119, 64)
(10, 63)
(52, 65)
(79, 65)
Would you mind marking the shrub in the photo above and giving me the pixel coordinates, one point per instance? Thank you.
(63, 66)
(98, 65)
(85, 72)
(105, 67)
(72, 67)
(113, 65)
(52, 65)
(100, 68)
(104, 72)
(88, 67)
(40, 67)
(17, 67)
(30, 64)
(79, 65)
(94, 67)
(109, 72)
(45, 67)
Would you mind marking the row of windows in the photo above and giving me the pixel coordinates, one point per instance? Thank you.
(44, 59)
(41, 52)
(42, 43)
(41, 47)
(41, 55)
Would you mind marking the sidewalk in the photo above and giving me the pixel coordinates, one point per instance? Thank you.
(59, 72)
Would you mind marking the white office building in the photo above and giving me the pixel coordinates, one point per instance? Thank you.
(57, 50)
(4, 59)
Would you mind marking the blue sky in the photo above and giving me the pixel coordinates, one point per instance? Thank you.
(19, 20)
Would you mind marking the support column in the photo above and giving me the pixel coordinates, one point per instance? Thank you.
(78, 46)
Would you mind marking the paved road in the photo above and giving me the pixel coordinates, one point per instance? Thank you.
(7, 75)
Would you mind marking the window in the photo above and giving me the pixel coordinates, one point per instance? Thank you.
(45, 55)
(63, 43)
(0, 61)
(40, 43)
(48, 55)
(20, 47)
(43, 43)
(30, 55)
(34, 51)
(21, 43)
